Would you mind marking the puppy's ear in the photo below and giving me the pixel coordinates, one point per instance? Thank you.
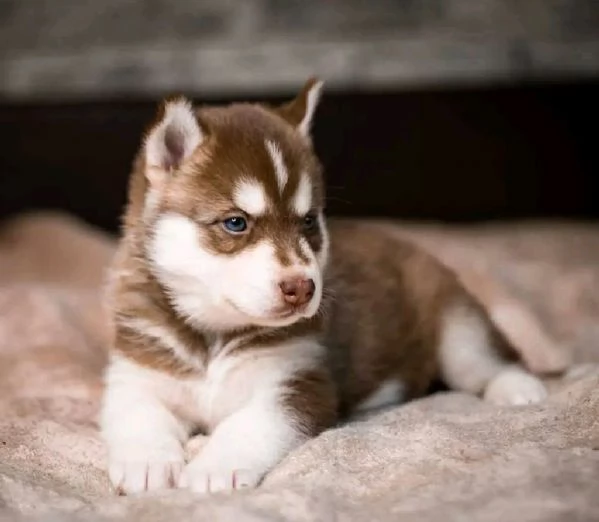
(172, 139)
(299, 112)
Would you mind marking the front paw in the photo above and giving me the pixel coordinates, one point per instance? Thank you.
(138, 471)
(202, 477)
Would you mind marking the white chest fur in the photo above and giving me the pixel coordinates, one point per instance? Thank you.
(226, 385)
(148, 415)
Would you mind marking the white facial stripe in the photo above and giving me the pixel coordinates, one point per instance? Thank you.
(302, 199)
(305, 248)
(323, 254)
(279, 165)
(250, 196)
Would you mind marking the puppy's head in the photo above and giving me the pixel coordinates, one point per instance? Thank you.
(233, 211)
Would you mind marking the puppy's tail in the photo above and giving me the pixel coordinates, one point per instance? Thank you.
(537, 350)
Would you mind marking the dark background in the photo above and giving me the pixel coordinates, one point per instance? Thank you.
(527, 151)
(444, 110)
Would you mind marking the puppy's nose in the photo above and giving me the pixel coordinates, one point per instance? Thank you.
(297, 291)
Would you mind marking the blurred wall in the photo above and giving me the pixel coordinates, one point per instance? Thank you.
(106, 48)
(456, 110)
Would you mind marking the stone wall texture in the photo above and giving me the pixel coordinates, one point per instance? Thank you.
(98, 48)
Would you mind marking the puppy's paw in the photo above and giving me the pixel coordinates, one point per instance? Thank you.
(201, 477)
(128, 478)
(515, 387)
(145, 469)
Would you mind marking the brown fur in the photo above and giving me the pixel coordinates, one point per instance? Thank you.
(312, 398)
(204, 196)
(384, 298)
(399, 294)
(234, 146)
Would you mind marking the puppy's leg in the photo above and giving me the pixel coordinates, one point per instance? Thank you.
(251, 441)
(475, 357)
(144, 438)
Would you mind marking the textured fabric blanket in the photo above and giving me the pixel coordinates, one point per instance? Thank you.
(442, 458)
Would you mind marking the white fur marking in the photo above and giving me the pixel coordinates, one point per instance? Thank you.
(468, 361)
(148, 415)
(250, 196)
(515, 387)
(305, 248)
(390, 392)
(144, 438)
(221, 291)
(180, 125)
(323, 253)
(255, 437)
(276, 157)
(302, 199)
(311, 103)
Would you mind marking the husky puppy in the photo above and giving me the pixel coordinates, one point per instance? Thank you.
(239, 312)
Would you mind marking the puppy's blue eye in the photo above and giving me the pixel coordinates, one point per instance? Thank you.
(235, 224)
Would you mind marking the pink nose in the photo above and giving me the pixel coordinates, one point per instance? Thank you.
(297, 291)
